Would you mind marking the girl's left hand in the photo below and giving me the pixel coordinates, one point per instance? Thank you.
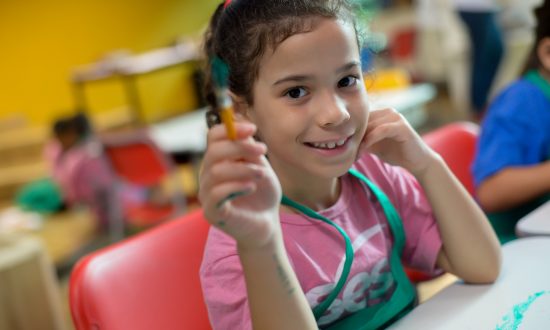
(390, 137)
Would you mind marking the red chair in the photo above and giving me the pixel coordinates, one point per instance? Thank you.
(150, 281)
(456, 143)
(135, 158)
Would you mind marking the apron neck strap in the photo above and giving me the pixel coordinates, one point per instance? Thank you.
(394, 222)
(320, 309)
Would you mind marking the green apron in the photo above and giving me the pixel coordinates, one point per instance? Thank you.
(504, 222)
(403, 298)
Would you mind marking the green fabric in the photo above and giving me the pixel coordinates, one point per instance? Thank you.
(404, 296)
(42, 196)
(534, 77)
(504, 223)
(320, 309)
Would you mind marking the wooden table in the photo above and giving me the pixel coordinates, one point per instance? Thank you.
(29, 296)
(535, 223)
(65, 233)
(519, 297)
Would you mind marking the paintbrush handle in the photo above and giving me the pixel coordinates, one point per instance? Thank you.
(226, 115)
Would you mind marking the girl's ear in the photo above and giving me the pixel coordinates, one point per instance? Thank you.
(242, 109)
(543, 52)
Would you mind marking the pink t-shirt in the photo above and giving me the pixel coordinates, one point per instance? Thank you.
(84, 176)
(317, 250)
(79, 171)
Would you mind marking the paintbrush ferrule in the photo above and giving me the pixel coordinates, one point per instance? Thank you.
(226, 112)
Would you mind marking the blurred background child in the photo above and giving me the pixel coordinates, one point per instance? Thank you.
(512, 167)
(76, 165)
(487, 47)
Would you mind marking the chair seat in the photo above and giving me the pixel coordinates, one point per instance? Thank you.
(149, 281)
(456, 143)
(146, 215)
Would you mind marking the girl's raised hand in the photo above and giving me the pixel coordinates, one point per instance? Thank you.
(239, 191)
(392, 139)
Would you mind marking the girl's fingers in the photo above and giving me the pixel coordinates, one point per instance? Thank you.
(231, 171)
(236, 171)
(384, 112)
(220, 148)
(221, 194)
(378, 114)
(382, 132)
(232, 196)
(234, 150)
(219, 132)
(379, 117)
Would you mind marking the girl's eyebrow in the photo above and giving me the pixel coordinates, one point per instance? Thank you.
(349, 66)
(293, 78)
(301, 78)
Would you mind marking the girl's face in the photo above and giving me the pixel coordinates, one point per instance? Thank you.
(310, 104)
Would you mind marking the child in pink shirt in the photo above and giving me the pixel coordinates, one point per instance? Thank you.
(318, 201)
(78, 167)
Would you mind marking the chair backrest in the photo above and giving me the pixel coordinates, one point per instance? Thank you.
(456, 143)
(150, 281)
(135, 157)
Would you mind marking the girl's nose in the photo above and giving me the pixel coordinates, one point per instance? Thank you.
(332, 111)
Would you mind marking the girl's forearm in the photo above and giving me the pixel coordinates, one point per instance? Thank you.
(514, 186)
(275, 297)
(470, 247)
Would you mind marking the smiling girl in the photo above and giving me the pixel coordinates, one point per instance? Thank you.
(318, 202)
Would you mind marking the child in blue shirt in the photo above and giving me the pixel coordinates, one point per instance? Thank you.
(512, 168)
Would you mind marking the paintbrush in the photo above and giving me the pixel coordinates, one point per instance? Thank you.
(220, 76)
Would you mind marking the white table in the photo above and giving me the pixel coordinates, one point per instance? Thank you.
(182, 134)
(187, 133)
(409, 101)
(535, 223)
(523, 286)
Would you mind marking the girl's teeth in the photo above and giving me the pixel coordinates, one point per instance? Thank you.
(330, 145)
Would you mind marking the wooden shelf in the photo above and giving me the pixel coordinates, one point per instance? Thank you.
(126, 67)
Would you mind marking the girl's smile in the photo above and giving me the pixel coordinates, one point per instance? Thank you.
(330, 148)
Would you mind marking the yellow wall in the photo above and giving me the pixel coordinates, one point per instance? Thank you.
(42, 41)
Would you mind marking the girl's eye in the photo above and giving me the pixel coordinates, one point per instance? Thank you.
(296, 93)
(347, 81)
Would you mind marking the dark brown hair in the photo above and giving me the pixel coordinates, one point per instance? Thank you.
(542, 30)
(78, 124)
(241, 33)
